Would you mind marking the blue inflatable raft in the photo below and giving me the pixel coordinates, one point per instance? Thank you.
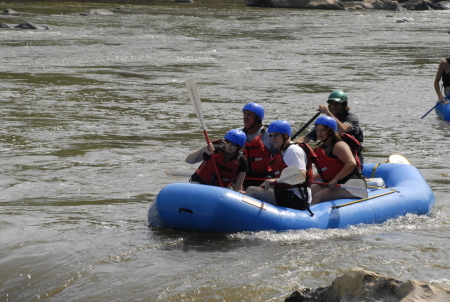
(193, 207)
(443, 111)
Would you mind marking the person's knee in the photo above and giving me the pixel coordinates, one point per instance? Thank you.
(315, 189)
(251, 191)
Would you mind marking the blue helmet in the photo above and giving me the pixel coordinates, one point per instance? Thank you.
(280, 126)
(236, 136)
(327, 121)
(255, 108)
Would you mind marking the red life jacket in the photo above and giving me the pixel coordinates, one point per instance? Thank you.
(277, 165)
(330, 166)
(228, 171)
(258, 156)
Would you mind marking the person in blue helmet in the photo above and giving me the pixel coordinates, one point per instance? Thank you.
(346, 121)
(336, 162)
(288, 154)
(231, 162)
(258, 148)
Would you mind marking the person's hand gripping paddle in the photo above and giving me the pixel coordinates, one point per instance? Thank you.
(195, 99)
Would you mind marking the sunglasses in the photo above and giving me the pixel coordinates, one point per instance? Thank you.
(230, 142)
(274, 135)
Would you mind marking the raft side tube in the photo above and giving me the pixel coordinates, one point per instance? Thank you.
(186, 206)
(443, 111)
(239, 213)
(412, 193)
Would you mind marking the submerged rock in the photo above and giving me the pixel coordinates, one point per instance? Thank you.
(29, 25)
(309, 4)
(26, 25)
(99, 11)
(358, 285)
(400, 5)
(10, 11)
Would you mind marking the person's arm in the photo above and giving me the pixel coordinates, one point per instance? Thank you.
(438, 78)
(311, 136)
(197, 156)
(343, 152)
(239, 182)
(342, 127)
(352, 120)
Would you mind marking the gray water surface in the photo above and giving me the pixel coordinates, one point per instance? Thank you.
(95, 109)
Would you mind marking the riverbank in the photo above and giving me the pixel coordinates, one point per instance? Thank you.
(392, 5)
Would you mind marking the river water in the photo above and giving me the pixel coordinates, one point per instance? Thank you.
(95, 109)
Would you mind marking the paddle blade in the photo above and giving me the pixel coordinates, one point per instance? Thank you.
(174, 173)
(291, 175)
(398, 159)
(195, 99)
(357, 187)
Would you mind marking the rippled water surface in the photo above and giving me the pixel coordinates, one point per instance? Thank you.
(94, 109)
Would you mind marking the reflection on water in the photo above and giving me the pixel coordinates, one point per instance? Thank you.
(96, 108)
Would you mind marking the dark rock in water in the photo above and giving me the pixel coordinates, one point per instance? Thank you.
(402, 20)
(309, 4)
(358, 285)
(394, 5)
(3, 25)
(29, 25)
(444, 5)
(99, 11)
(10, 11)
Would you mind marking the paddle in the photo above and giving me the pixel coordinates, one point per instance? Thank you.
(430, 110)
(195, 99)
(174, 173)
(447, 97)
(398, 159)
(290, 175)
(306, 125)
(357, 187)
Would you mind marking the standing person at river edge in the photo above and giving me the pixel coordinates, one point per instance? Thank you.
(231, 162)
(336, 162)
(346, 122)
(288, 154)
(258, 148)
(444, 74)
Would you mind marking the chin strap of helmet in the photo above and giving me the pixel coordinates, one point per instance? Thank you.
(284, 142)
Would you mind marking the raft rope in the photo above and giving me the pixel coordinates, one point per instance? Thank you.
(372, 197)
(374, 169)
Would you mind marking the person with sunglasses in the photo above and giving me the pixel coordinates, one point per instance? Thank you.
(230, 161)
(288, 154)
(347, 122)
(258, 148)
